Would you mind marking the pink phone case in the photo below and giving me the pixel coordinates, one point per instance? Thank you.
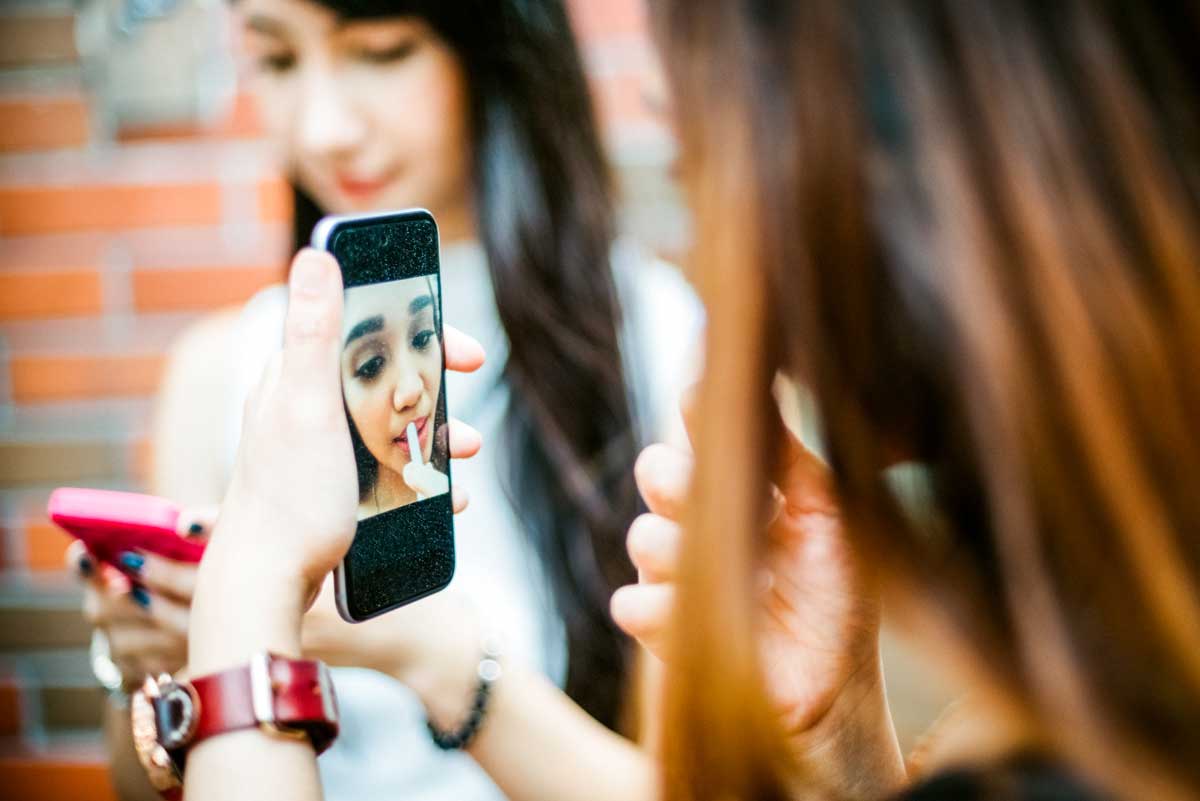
(111, 523)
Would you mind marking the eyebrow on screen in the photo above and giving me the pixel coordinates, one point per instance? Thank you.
(419, 303)
(274, 27)
(371, 325)
(267, 25)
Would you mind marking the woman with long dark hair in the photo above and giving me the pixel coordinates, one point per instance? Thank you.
(478, 111)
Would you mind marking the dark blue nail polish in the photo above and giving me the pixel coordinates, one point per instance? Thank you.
(140, 597)
(194, 529)
(134, 562)
(86, 568)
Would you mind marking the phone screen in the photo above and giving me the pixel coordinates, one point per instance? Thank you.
(392, 369)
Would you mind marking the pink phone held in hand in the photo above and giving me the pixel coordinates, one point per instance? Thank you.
(111, 523)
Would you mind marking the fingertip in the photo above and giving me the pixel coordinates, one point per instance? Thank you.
(460, 499)
(464, 354)
(619, 606)
(465, 440)
(311, 270)
(634, 609)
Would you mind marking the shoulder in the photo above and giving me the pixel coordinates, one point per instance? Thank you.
(197, 348)
(202, 349)
(656, 289)
(660, 338)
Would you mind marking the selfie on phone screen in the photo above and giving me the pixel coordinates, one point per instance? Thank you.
(391, 365)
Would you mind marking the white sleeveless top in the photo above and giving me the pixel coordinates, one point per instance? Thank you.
(384, 750)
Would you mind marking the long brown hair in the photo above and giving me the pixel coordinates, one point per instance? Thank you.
(972, 229)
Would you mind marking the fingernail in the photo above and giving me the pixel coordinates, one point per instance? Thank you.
(86, 567)
(308, 273)
(195, 529)
(140, 597)
(133, 561)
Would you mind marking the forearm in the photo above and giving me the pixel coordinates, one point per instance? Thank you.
(537, 745)
(229, 627)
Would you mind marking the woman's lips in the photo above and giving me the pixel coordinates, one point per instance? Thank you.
(361, 188)
(401, 441)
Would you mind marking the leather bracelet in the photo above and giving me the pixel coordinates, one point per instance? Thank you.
(488, 672)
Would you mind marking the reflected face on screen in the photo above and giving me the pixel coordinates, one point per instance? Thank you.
(391, 367)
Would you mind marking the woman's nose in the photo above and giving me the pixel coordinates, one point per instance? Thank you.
(407, 392)
(328, 124)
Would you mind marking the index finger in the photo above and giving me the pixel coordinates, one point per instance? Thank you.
(196, 522)
(463, 353)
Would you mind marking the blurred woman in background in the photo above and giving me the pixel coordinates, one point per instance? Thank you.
(479, 111)
(972, 229)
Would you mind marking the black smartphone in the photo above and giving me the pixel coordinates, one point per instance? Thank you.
(393, 372)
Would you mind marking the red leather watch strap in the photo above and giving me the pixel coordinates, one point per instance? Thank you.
(300, 690)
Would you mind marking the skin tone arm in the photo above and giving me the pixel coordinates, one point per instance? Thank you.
(534, 742)
(295, 490)
(188, 442)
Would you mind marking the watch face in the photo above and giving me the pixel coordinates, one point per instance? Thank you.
(160, 768)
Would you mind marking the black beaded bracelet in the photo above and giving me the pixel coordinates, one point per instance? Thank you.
(488, 672)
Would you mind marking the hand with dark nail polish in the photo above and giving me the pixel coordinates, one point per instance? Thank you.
(140, 597)
(133, 562)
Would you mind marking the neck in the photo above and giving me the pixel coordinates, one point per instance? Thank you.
(456, 225)
(389, 492)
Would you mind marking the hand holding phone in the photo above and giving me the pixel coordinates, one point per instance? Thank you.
(115, 523)
(393, 382)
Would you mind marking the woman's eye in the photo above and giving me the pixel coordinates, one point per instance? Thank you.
(388, 55)
(370, 369)
(277, 62)
(421, 341)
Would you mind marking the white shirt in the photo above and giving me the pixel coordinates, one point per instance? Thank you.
(384, 750)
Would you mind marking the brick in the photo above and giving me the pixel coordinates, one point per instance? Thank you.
(32, 294)
(44, 209)
(43, 123)
(241, 122)
(49, 378)
(621, 101)
(32, 627)
(72, 707)
(274, 201)
(595, 20)
(156, 290)
(10, 708)
(42, 778)
(141, 457)
(52, 462)
(33, 39)
(46, 545)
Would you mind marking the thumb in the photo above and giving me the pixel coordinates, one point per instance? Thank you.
(314, 320)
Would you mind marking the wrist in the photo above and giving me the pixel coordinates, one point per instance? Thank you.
(242, 606)
(444, 682)
(853, 746)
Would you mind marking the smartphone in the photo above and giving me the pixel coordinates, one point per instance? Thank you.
(393, 372)
(112, 523)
